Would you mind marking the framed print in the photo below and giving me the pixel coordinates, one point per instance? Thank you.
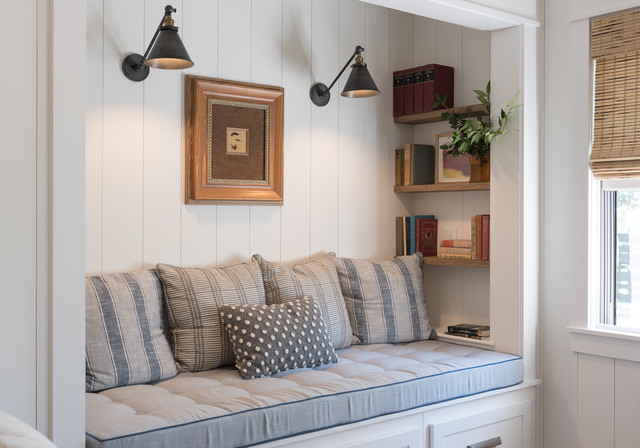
(448, 168)
(234, 142)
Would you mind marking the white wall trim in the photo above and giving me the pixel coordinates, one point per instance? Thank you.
(606, 343)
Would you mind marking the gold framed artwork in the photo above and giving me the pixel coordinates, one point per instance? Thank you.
(448, 168)
(234, 142)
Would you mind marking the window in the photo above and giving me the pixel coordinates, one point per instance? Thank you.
(615, 159)
(620, 211)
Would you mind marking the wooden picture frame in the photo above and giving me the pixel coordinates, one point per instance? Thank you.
(234, 142)
(450, 169)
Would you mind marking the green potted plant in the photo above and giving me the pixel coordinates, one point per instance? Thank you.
(473, 135)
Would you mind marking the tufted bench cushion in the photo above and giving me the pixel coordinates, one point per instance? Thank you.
(216, 408)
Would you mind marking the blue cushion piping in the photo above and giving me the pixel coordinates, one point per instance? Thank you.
(331, 395)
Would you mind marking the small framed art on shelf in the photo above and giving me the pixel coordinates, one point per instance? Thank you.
(450, 169)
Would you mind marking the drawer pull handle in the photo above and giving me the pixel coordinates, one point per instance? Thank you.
(487, 443)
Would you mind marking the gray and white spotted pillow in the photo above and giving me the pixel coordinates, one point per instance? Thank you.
(272, 338)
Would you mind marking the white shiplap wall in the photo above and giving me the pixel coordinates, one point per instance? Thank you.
(338, 178)
(338, 159)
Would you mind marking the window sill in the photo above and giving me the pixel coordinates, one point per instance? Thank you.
(605, 342)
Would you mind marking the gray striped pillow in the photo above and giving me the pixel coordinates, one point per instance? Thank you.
(317, 278)
(192, 298)
(124, 339)
(385, 300)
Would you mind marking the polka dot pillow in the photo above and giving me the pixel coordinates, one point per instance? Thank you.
(271, 338)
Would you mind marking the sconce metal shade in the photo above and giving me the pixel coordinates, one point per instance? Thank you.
(165, 51)
(360, 83)
(169, 51)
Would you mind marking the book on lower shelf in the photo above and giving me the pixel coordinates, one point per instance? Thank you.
(470, 330)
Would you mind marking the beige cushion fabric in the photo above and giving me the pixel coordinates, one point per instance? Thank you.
(192, 298)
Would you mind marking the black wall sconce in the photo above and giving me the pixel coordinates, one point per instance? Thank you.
(359, 85)
(167, 53)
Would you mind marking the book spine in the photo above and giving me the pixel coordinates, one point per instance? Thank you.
(485, 237)
(479, 237)
(443, 76)
(469, 331)
(398, 94)
(455, 243)
(474, 252)
(418, 90)
(427, 236)
(407, 239)
(456, 250)
(455, 256)
(412, 235)
(399, 160)
(407, 165)
(408, 92)
(464, 335)
(399, 236)
(428, 91)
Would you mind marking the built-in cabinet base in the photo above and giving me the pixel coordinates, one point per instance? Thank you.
(507, 414)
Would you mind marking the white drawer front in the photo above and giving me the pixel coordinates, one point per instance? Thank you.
(511, 426)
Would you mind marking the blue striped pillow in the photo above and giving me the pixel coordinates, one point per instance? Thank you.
(125, 343)
(385, 300)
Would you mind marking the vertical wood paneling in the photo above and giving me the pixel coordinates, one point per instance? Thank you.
(596, 401)
(627, 404)
(377, 182)
(351, 178)
(123, 130)
(401, 44)
(506, 193)
(476, 63)
(162, 157)
(295, 230)
(325, 123)
(266, 68)
(18, 197)
(198, 229)
(234, 62)
(425, 38)
(449, 52)
(93, 153)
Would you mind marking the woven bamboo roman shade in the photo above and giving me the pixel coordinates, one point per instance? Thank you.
(615, 49)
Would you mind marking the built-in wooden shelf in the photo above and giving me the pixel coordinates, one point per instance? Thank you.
(454, 186)
(437, 261)
(436, 115)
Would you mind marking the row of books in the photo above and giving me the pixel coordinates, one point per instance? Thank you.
(480, 229)
(417, 233)
(415, 164)
(414, 88)
(457, 249)
(472, 331)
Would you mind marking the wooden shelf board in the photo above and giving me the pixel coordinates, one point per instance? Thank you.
(454, 186)
(482, 343)
(437, 261)
(436, 115)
